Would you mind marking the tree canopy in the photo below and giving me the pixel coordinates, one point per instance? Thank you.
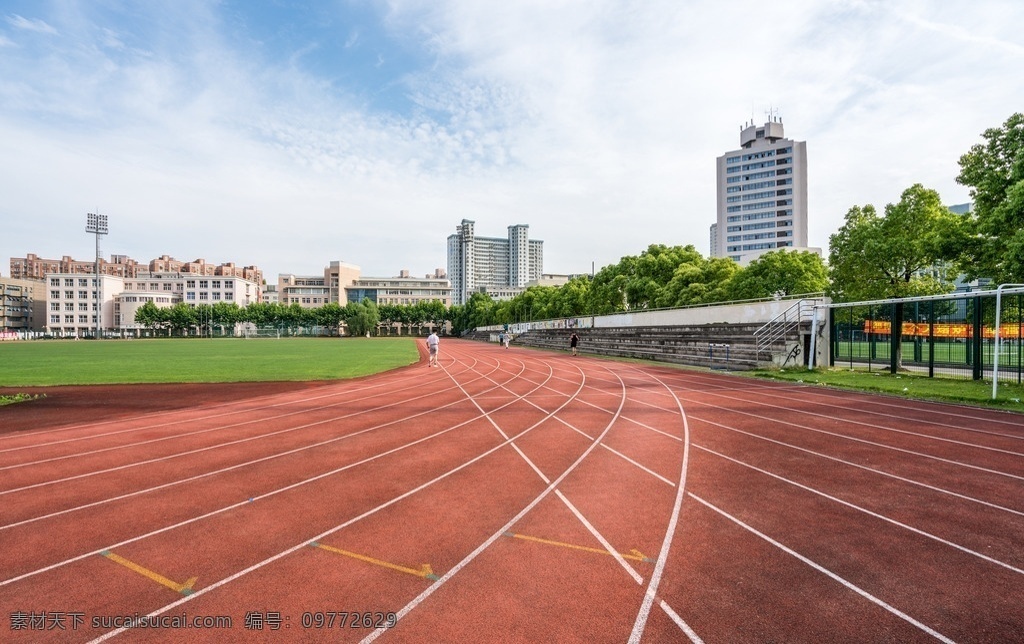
(899, 254)
(780, 272)
(995, 173)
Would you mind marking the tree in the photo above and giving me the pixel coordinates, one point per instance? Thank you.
(995, 173)
(699, 281)
(149, 315)
(181, 317)
(330, 316)
(362, 317)
(780, 272)
(898, 255)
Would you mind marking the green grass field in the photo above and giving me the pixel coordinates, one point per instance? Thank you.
(953, 353)
(47, 363)
(907, 385)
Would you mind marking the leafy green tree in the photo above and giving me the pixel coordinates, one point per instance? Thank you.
(391, 315)
(479, 310)
(362, 317)
(149, 315)
(698, 281)
(571, 298)
(607, 292)
(434, 312)
(897, 255)
(995, 173)
(330, 316)
(225, 314)
(780, 272)
(181, 317)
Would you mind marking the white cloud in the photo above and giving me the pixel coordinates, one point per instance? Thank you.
(597, 123)
(29, 24)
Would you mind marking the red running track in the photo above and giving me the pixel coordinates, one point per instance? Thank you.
(514, 495)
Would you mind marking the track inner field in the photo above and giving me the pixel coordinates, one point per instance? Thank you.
(517, 495)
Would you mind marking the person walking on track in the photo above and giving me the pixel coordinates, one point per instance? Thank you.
(432, 343)
(574, 340)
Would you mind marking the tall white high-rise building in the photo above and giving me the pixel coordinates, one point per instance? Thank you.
(762, 195)
(492, 264)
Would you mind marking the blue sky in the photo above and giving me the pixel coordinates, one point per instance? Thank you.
(288, 134)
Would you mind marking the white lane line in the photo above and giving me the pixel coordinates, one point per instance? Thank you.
(219, 445)
(612, 550)
(494, 424)
(859, 440)
(321, 536)
(876, 515)
(659, 567)
(827, 572)
(419, 599)
(653, 429)
(232, 506)
(256, 498)
(175, 437)
(927, 407)
(177, 420)
(223, 470)
(903, 479)
(631, 461)
(207, 448)
(882, 428)
(680, 623)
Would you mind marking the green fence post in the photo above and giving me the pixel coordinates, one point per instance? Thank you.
(931, 338)
(895, 336)
(976, 339)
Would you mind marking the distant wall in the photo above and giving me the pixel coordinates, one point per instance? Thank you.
(744, 313)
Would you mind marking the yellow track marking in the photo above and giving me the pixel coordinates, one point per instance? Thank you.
(184, 589)
(425, 571)
(633, 554)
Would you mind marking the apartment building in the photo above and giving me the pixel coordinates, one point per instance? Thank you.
(313, 291)
(34, 267)
(402, 290)
(73, 303)
(22, 306)
(493, 265)
(762, 195)
(168, 289)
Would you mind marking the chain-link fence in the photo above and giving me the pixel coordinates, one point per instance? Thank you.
(951, 336)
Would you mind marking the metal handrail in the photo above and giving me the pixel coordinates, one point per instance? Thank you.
(780, 325)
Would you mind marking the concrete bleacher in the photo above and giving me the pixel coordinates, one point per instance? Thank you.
(716, 346)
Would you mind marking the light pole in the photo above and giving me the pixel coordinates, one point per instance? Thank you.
(97, 224)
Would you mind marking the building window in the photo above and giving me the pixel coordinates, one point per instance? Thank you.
(54, 281)
(69, 306)
(190, 283)
(54, 319)
(54, 306)
(69, 282)
(190, 295)
(83, 282)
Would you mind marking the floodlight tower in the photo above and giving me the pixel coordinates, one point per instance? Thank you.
(97, 224)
